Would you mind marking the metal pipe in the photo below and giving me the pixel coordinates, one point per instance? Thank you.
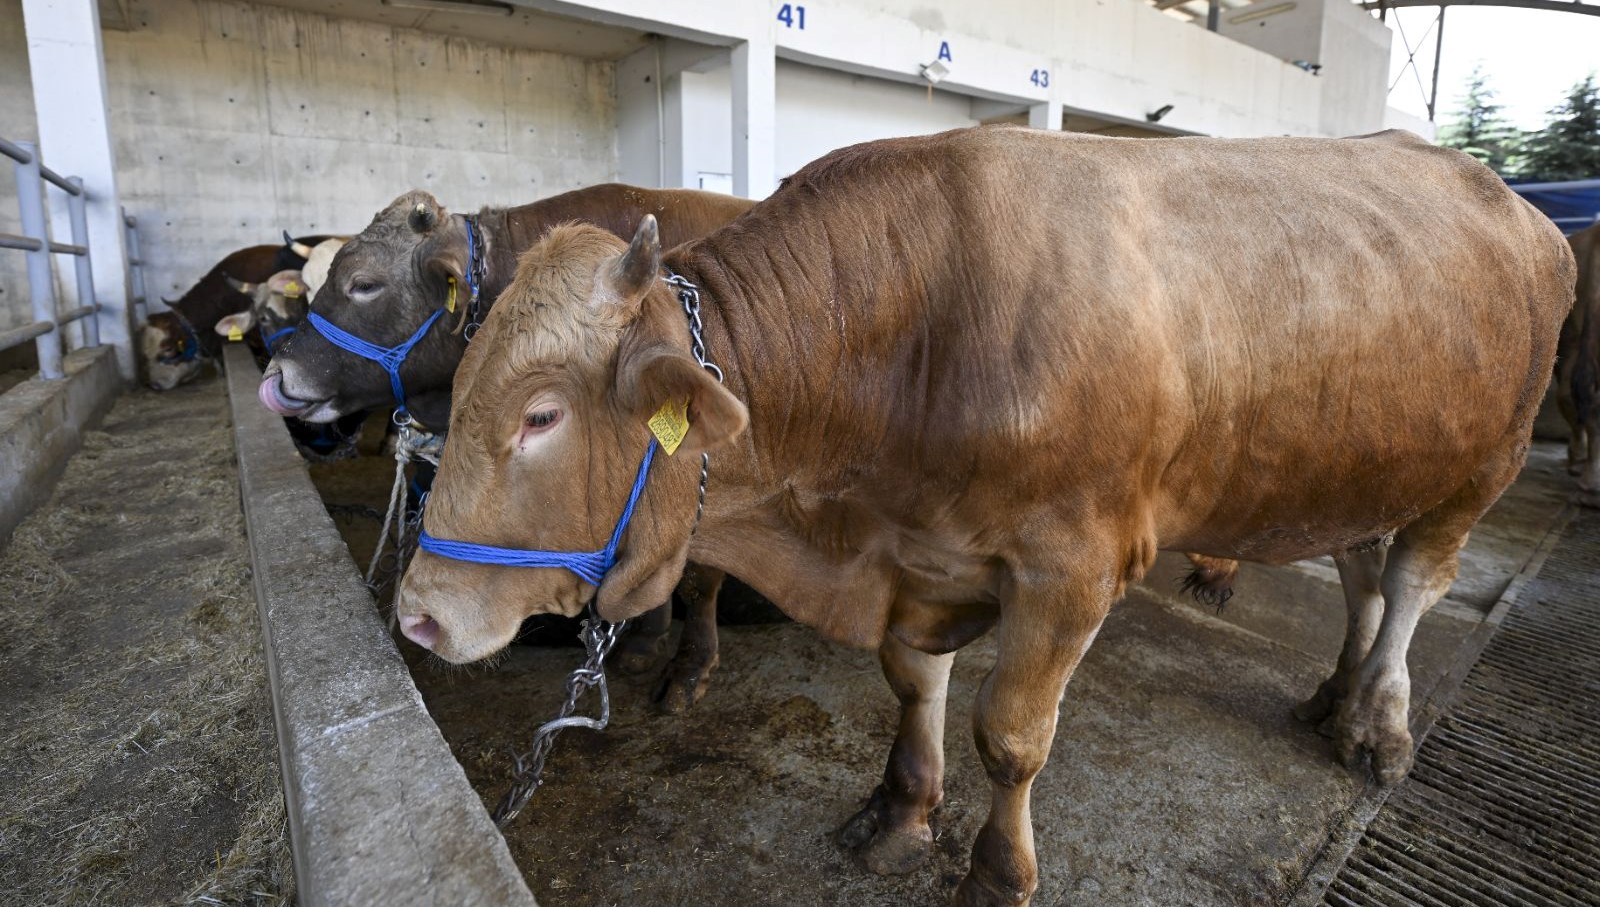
(1213, 14)
(15, 152)
(135, 267)
(82, 311)
(61, 248)
(62, 182)
(41, 281)
(77, 212)
(1438, 52)
(25, 243)
(19, 335)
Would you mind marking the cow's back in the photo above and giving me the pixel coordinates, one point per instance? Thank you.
(1295, 342)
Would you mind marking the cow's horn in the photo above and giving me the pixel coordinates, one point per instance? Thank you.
(422, 219)
(300, 249)
(239, 285)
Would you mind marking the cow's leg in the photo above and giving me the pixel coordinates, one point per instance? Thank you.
(1041, 638)
(689, 672)
(640, 649)
(1589, 477)
(1374, 716)
(1361, 574)
(1577, 432)
(891, 834)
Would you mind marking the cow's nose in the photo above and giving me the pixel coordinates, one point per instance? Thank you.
(421, 629)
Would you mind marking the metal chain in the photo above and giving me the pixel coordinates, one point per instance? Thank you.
(598, 635)
(527, 772)
(689, 297)
(478, 268)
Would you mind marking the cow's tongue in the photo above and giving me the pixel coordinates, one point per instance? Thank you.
(273, 398)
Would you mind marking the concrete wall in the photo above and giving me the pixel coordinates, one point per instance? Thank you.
(1351, 47)
(234, 121)
(42, 425)
(818, 110)
(18, 125)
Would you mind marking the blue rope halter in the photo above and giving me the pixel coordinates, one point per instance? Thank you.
(390, 357)
(191, 343)
(270, 340)
(589, 566)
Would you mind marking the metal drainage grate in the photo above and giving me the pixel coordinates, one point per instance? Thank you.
(1503, 806)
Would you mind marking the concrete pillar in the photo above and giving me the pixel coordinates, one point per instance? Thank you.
(755, 102)
(1046, 115)
(69, 97)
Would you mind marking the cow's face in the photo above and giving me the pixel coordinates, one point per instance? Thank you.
(163, 346)
(278, 303)
(549, 428)
(381, 286)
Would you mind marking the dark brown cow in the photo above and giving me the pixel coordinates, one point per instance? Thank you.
(1578, 366)
(391, 278)
(987, 375)
(175, 344)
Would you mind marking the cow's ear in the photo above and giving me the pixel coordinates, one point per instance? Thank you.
(443, 254)
(235, 325)
(631, 273)
(655, 377)
(286, 283)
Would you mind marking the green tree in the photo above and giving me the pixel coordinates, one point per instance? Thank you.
(1479, 129)
(1568, 147)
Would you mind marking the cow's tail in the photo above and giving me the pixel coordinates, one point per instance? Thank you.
(1210, 579)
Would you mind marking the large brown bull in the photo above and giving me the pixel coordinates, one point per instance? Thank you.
(1578, 366)
(986, 375)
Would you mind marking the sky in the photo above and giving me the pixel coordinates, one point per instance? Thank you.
(1531, 57)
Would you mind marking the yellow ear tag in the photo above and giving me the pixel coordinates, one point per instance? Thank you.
(670, 424)
(235, 334)
(450, 301)
(292, 290)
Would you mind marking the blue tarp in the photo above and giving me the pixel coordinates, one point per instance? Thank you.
(1572, 206)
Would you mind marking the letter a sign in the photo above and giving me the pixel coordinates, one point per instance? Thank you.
(944, 51)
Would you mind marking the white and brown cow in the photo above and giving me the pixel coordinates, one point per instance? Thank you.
(976, 380)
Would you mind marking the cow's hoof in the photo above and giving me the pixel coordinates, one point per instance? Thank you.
(637, 655)
(863, 825)
(1389, 747)
(883, 849)
(1323, 704)
(975, 891)
(684, 684)
(897, 851)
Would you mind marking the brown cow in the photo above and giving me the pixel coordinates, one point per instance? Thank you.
(175, 344)
(1578, 366)
(987, 375)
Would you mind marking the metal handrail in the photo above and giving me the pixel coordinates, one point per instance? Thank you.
(45, 329)
(22, 155)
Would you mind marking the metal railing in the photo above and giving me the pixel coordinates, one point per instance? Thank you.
(130, 229)
(45, 330)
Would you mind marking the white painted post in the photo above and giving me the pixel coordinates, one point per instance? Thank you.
(69, 97)
(755, 102)
(1045, 116)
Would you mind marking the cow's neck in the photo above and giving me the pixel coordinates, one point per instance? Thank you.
(501, 239)
(785, 482)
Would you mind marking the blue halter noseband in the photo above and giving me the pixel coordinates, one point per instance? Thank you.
(392, 357)
(270, 340)
(191, 343)
(589, 566)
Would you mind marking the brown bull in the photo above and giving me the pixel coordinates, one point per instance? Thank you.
(1578, 366)
(986, 376)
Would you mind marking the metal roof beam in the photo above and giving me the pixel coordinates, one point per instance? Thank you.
(1555, 6)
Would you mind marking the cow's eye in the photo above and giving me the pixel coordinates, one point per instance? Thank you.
(363, 290)
(542, 419)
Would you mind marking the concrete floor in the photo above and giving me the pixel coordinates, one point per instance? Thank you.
(1178, 774)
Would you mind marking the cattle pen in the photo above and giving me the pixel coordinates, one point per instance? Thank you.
(222, 399)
